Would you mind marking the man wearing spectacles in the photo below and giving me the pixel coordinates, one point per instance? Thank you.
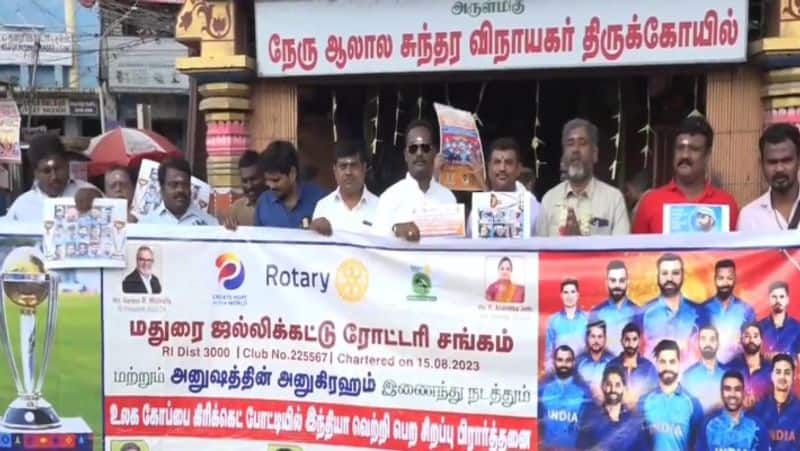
(396, 206)
(142, 280)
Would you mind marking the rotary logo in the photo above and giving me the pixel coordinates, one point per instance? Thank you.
(231, 271)
(352, 280)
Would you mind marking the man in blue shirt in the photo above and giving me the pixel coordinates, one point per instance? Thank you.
(732, 429)
(779, 330)
(757, 370)
(287, 203)
(671, 316)
(593, 361)
(640, 374)
(612, 426)
(568, 326)
(726, 312)
(618, 310)
(707, 372)
(780, 412)
(673, 418)
(564, 399)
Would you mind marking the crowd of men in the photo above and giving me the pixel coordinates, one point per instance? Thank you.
(276, 196)
(719, 378)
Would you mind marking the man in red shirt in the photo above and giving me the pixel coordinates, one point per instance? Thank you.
(689, 184)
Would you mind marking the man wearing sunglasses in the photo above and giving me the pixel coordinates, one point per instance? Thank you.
(395, 214)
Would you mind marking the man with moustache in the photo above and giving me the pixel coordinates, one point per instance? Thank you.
(690, 184)
(174, 177)
(568, 326)
(776, 209)
(754, 367)
(397, 205)
(351, 208)
(707, 372)
(251, 175)
(564, 399)
(733, 429)
(504, 173)
(618, 310)
(726, 312)
(582, 204)
(780, 412)
(593, 361)
(611, 425)
(670, 315)
(779, 330)
(639, 372)
(288, 202)
(673, 418)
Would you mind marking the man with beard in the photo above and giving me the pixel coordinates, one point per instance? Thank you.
(780, 412)
(639, 372)
(618, 310)
(397, 205)
(351, 208)
(670, 315)
(733, 429)
(775, 209)
(707, 372)
(243, 211)
(689, 185)
(568, 326)
(593, 361)
(174, 177)
(726, 312)
(504, 173)
(754, 367)
(564, 399)
(611, 426)
(288, 202)
(582, 205)
(673, 418)
(779, 331)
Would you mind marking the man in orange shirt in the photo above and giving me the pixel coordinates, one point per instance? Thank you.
(689, 185)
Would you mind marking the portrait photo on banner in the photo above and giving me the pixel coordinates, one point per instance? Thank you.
(143, 271)
(505, 279)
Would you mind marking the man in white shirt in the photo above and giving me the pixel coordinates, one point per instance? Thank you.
(51, 172)
(142, 280)
(396, 206)
(174, 177)
(504, 172)
(351, 208)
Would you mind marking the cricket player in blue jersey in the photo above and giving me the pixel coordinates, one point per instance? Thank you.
(757, 370)
(780, 411)
(564, 399)
(592, 362)
(611, 426)
(640, 374)
(726, 312)
(733, 429)
(617, 310)
(671, 316)
(707, 372)
(673, 418)
(568, 326)
(779, 331)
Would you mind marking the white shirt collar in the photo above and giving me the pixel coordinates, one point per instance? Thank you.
(364, 196)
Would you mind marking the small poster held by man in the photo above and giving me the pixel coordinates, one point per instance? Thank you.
(147, 196)
(693, 218)
(500, 215)
(95, 239)
(462, 166)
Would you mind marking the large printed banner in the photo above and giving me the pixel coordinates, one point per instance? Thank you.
(283, 340)
(410, 36)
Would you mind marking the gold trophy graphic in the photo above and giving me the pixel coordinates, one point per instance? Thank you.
(27, 291)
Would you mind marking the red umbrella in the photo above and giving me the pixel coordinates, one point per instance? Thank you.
(127, 147)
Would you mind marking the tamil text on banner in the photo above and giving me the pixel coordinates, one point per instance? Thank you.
(461, 152)
(388, 36)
